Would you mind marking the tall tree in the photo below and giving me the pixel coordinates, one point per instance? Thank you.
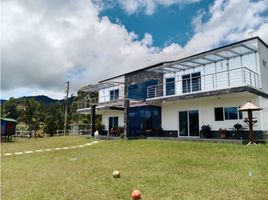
(32, 114)
(9, 109)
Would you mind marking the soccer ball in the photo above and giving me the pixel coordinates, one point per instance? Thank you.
(116, 174)
(136, 194)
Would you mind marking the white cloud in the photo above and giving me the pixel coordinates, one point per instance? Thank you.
(149, 6)
(229, 21)
(45, 43)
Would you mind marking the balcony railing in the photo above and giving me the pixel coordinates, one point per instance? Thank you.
(209, 82)
(87, 103)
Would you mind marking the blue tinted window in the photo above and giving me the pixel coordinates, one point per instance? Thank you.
(139, 90)
(230, 113)
(145, 120)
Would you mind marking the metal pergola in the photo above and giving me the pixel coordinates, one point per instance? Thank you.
(212, 56)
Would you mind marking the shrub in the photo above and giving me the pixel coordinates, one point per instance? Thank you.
(205, 131)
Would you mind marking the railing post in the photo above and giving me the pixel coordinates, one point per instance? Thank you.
(244, 70)
(250, 78)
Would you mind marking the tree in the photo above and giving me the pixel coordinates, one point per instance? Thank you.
(9, 109)
(32, 114)
(54, 119)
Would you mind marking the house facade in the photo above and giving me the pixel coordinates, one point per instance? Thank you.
(176, 98)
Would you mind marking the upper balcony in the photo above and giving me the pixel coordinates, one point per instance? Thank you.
(232, 66)
(196, 83)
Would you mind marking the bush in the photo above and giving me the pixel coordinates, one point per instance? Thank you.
(238, 126)
(205, 131)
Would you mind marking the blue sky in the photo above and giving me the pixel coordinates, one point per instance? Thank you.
(167, 25)
(46, 43)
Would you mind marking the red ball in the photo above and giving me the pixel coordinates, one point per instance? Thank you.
(136, 194)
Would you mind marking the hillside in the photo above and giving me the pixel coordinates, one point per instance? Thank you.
(42, 99)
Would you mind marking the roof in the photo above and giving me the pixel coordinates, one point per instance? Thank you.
(218, 54)
(9, 120)
(249, 106)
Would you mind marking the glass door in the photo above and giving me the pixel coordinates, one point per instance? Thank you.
(189, 123)
(193, 123)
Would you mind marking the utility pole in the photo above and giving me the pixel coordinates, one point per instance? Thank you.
(66, 106)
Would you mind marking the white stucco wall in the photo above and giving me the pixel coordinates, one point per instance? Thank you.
(263, 58)
(112, 113)
(264, 105)
(205, 106)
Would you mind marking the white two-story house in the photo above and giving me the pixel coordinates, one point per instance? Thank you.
(175, 98)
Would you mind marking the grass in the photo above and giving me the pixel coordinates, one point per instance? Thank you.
(159, 169)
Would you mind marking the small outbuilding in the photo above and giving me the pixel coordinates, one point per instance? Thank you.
(8, 128)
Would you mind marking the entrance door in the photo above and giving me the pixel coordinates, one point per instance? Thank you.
(189, 123)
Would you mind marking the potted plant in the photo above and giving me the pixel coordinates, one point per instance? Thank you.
(223, 133)
(238, 127)
(205, 131)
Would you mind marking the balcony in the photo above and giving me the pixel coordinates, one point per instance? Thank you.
(196, 83)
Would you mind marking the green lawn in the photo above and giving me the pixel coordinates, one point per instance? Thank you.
(159, 169)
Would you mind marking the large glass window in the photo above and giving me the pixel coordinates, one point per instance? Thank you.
(145, 120)
(139, 91)
(114, 95)
(170, 86)
(230, 113)
(227, 113)
(191, 82)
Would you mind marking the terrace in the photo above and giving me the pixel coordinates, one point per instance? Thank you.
(197, 83)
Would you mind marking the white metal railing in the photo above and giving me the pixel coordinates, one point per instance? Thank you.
(73, 132)
(87, 103)
(209, 82)
(22, 133)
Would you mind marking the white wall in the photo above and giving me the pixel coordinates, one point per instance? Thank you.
(104, 94)
(206, 105)
(112, 113)
(263, 57)
(264, 105)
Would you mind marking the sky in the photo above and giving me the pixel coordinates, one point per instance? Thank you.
(46, 43)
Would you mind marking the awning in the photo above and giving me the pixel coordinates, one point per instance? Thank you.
(100, 86)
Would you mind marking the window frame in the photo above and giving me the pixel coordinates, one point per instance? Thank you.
(170, 91)
(239, 114)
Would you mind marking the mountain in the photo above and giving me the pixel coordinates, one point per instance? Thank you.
(43, 99)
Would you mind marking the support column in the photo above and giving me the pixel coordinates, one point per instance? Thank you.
(126, 121)
(93, 119)
(250, 126)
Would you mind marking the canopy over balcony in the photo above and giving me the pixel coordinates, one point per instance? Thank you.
(100, 86)
(212, 56)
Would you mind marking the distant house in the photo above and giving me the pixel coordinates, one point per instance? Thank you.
(175, 98)
(8, 128)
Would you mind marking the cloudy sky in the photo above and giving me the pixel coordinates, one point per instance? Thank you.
(47, 42)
